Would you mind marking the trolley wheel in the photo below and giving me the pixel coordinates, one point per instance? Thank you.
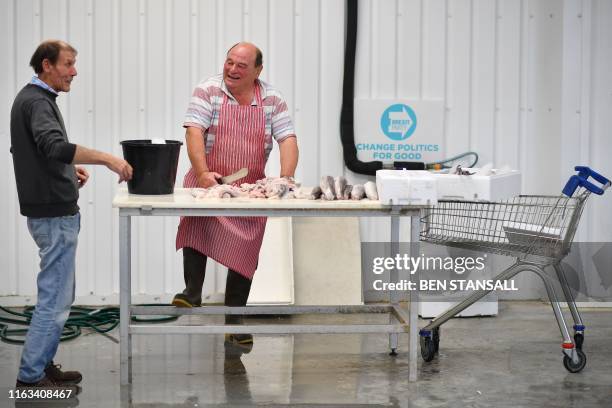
(575, 367)
(435, 336)
(579, 340)
(428, 348)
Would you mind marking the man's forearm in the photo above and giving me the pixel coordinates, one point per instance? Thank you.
(196, 150)
(288, 156)
(83, 155)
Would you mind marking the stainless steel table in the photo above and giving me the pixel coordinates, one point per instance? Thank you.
(181, 203)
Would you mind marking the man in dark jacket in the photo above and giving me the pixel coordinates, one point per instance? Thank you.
(47, 186)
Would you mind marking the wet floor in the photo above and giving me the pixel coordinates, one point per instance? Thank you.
(513, 360)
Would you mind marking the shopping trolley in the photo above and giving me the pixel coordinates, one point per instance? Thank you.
(536, 230)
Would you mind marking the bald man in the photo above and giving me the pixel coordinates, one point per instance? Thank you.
(232, 121)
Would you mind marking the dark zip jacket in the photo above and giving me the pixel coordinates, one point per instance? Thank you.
(42, 156)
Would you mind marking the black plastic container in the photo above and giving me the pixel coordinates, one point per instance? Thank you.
(154, 165)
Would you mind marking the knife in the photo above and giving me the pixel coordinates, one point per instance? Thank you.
(235, 176)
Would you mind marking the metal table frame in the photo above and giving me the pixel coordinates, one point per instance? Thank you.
(405, 322)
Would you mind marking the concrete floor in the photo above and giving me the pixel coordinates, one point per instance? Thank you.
(513, 360)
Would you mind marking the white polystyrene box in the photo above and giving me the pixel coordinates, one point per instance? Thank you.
(404, 187)
(495, 187)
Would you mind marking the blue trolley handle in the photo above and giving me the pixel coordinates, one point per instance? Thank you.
(581, 180)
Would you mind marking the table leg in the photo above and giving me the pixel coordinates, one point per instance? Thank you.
(394, 296)
(125, 298)
(413, 337)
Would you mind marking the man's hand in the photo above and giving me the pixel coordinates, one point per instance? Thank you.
(208, 179)
(121, 167)
(82, 175)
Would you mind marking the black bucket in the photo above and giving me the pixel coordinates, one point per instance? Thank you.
(154, 165)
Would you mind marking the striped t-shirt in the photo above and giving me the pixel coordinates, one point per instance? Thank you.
(205, 106)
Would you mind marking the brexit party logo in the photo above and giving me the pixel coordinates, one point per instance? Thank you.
(398, 122)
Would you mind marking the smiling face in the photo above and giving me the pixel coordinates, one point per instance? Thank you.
(239, 70)
(60, 75)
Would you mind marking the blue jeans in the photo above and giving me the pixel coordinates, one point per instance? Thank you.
(56, 238)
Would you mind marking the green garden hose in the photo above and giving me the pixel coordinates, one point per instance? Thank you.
(101, 320)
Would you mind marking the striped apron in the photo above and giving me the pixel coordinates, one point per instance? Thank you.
(240, 142)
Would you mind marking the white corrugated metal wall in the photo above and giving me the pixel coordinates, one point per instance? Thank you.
(527, 83)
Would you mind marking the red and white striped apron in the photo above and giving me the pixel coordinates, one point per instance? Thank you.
(240, 142)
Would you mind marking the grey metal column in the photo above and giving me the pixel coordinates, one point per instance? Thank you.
(393, 274)
(413, 338)
(125, 297)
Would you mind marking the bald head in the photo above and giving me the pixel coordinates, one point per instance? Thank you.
(242, 68)
(250, 47)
